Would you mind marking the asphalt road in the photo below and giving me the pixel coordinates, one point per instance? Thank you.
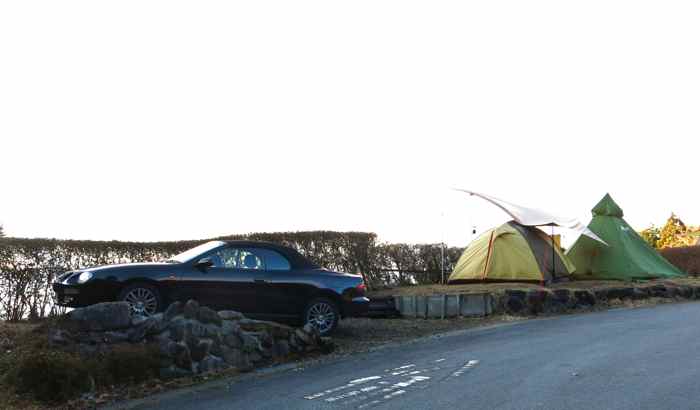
(621, 359)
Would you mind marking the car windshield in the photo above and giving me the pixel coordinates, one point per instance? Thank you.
(190, 254)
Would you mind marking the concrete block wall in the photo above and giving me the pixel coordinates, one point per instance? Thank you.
(445, 306)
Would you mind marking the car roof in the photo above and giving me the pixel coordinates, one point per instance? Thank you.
(296, 259)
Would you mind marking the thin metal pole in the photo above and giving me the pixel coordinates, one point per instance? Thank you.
(442, 248)
(554, 265)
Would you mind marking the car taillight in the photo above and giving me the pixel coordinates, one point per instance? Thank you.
(361, 289)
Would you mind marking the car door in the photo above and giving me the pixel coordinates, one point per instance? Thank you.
(283, 290)
(224, 285)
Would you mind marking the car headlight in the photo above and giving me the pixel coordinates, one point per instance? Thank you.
(84, 277)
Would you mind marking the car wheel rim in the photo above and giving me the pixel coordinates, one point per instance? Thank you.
(321, 316)
(142, 301)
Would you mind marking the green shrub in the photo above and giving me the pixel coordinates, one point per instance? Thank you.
(50, 376)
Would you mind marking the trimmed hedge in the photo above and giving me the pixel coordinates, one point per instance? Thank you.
(685, 258)
(29, 266)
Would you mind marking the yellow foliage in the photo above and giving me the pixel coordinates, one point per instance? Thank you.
(675, 234)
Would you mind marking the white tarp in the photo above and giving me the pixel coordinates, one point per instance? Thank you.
(536, 217)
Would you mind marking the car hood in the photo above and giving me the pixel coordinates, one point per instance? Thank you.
(129, 266)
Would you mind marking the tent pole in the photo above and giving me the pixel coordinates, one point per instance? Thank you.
(554, 265)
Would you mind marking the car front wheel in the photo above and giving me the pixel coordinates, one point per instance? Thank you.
(143, 299)
(323, 314)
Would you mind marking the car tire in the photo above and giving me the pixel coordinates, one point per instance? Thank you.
(143, 299)
(323, 314)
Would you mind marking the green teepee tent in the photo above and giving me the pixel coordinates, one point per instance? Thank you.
(627, 255)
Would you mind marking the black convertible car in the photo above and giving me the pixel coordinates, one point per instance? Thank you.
(262, 280)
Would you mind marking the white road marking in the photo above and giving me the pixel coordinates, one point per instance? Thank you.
(470, 364)
(364, 379)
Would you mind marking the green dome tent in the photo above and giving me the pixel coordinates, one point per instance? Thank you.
(627, 255)
(511, 253)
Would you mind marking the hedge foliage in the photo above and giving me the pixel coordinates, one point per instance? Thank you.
(28, 266)
(685, 258)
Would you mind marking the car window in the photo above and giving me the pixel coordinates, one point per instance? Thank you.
(249, 259)
(225, 258)
(274, 261)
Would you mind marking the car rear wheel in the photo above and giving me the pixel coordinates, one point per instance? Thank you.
(143, 299)
(323, 314)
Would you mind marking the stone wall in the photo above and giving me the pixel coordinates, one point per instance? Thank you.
(534, 301)
(191, 339)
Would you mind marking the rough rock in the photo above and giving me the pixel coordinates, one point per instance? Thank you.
(621, 293)
(237, 359)
(207, 315)
(230, 328)
(558, 301)
(211, 364)
(584, 298)
(173, 310)
(640, 293)
(514, 301)
(658, 291)
(281, 348)
(250, 343)
(103, 316)
(201, 349)
(182, 356)
(685, 292)
(230, 315)
(191, 310)
(536, 301)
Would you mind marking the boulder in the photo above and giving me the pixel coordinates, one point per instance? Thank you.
(144, 328)
(558, 301)
(173, 310)
(281, 348)
(233, 341)
(584, 298)
(514, 301)
(250, 343)
(191, 310)
(658, 291)
(211, 364)
(536, 300)
(207, 315)
(201, 349)
(182, 356)
(621, 293)
(102, 316)
(601, 294)
(685, 292)
(237, 359)
(230, 328)
(230, 315)
(640, 293)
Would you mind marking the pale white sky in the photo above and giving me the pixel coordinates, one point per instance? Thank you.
(159, 120)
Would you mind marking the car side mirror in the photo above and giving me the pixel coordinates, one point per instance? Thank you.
(204, 263)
